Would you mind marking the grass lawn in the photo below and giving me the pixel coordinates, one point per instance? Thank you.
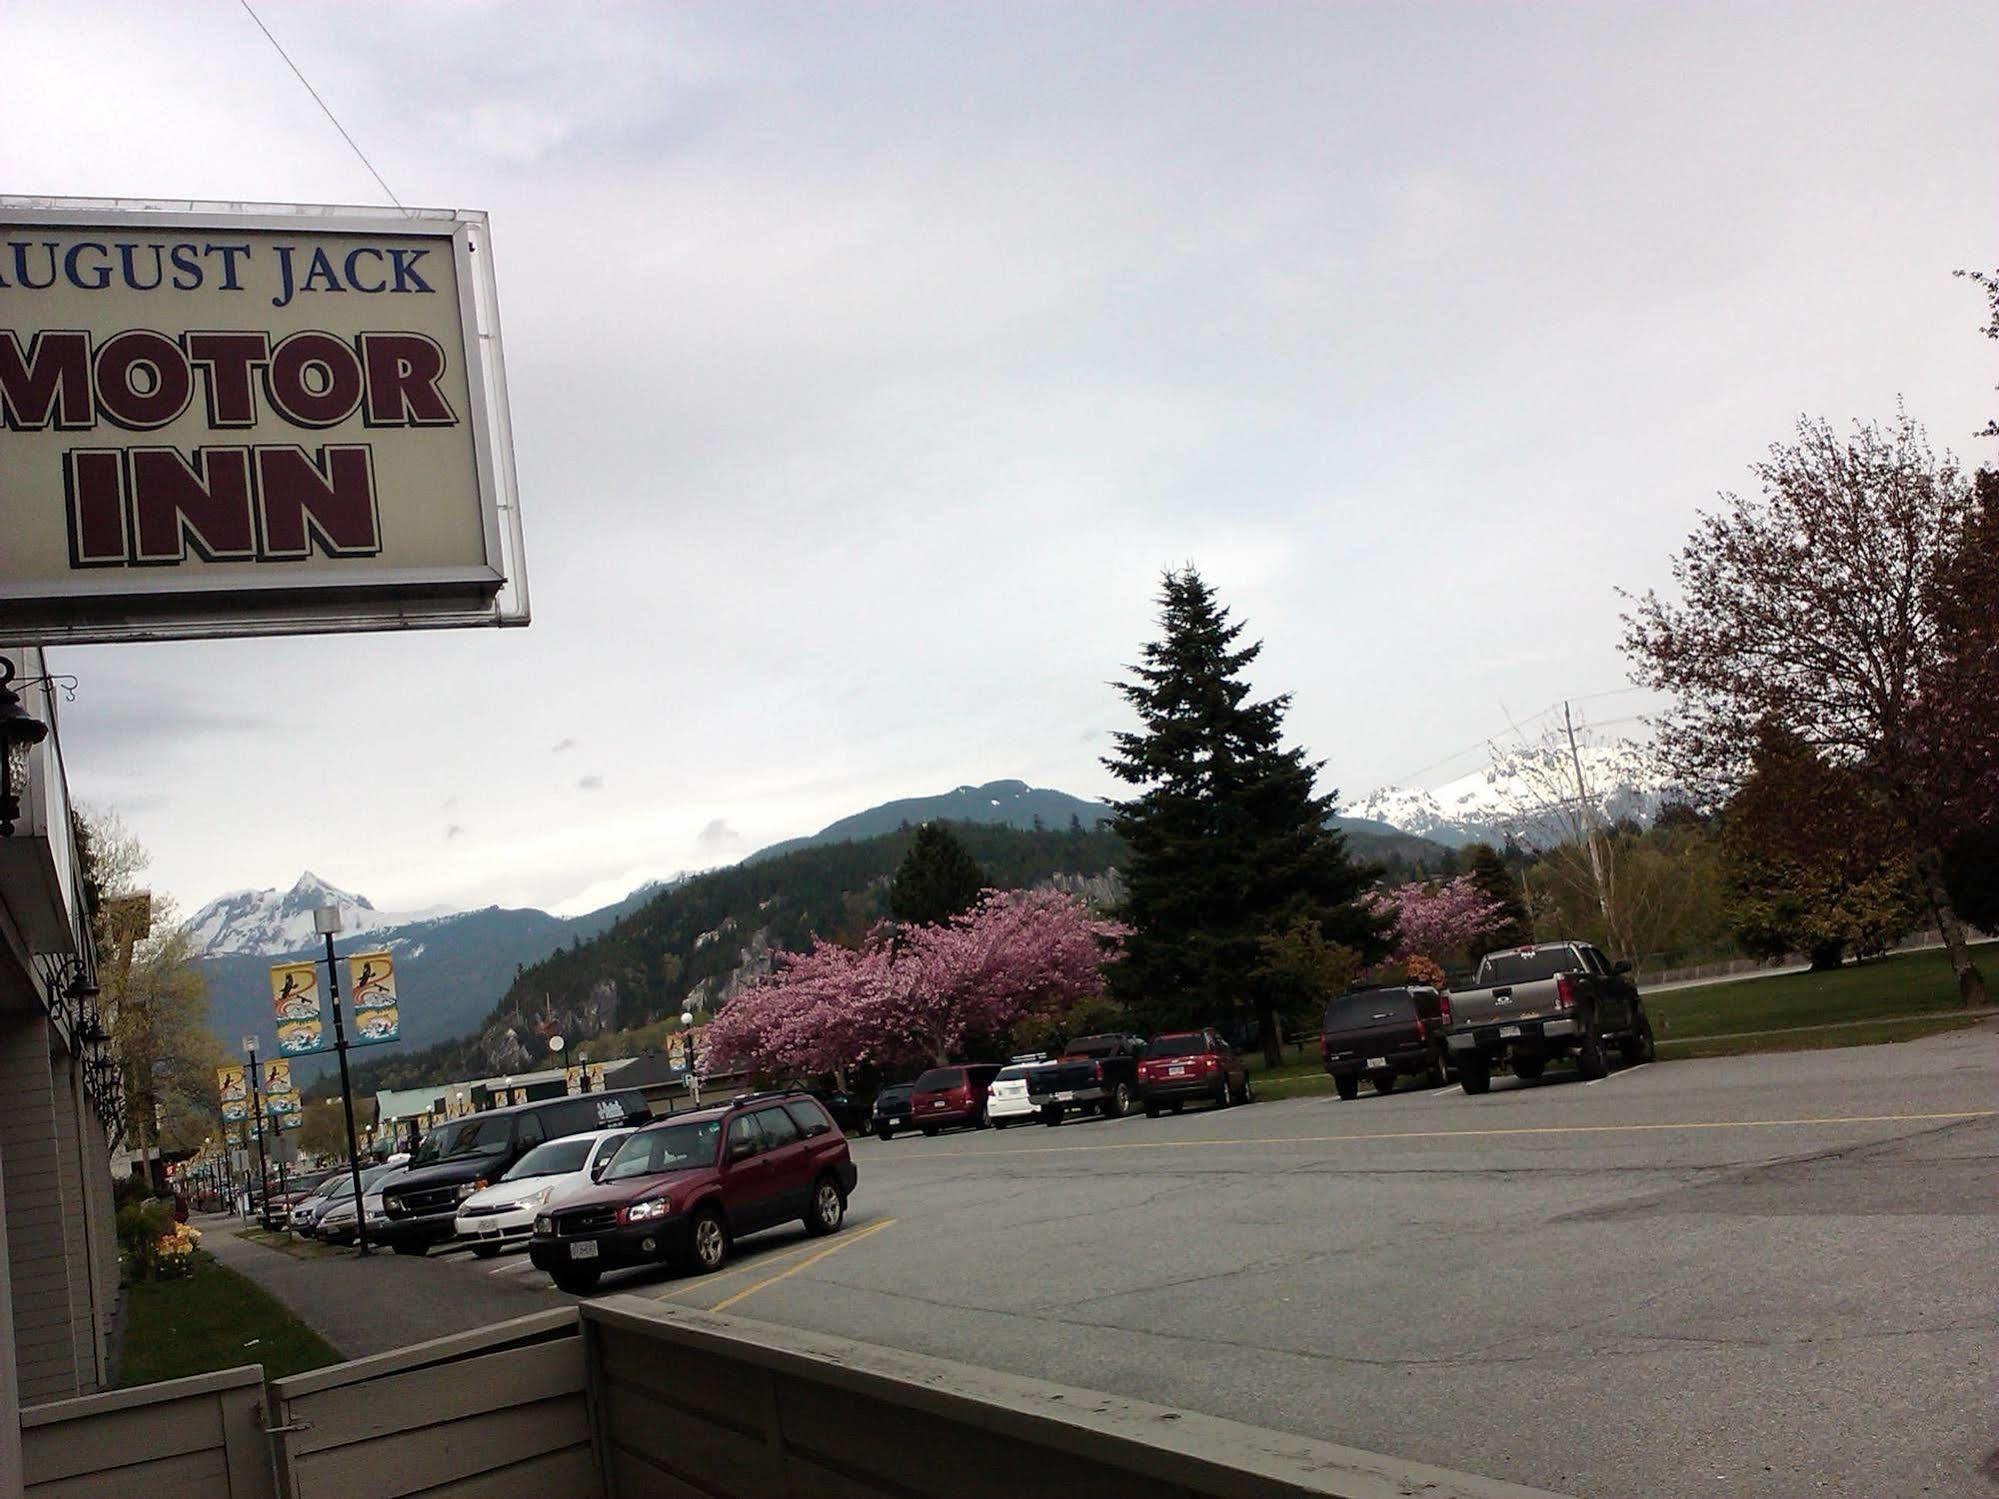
(1917, 983)
(213, 1319)
(1819, 1038)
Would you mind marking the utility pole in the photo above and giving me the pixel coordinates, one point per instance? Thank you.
(1588, 820)
(326, 920)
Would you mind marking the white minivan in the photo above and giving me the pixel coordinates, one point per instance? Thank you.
(504, 1213)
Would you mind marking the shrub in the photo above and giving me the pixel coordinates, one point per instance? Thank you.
(141, 1227)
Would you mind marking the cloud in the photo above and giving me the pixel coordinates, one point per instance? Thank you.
(454, 831)
(566, 744)
(590, 783)
(718, 836)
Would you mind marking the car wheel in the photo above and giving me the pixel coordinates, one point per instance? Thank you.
(1639, 1047)
(1440, 1069)
(1152, 1111)
(577, 1280)
(828, 1207)
(929, 1131)
(1223, 1097)
(485, 1251)
(1177, 1107)
(1248, 1090)
(886, 1133)
(1384, 1082)
(1119, 1103)
(708, 1242)
(1590, 1059)
(1347, 1085)
(403, 1246)
(1051, 1117)
(1529, 1068)
(1000, 1123)
(1474, 1074)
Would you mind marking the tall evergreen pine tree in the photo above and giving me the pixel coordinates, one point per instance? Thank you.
(937, 880)
(1495, 882)
(1229, 839)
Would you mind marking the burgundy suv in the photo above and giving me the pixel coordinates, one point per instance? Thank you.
(1191, 1065)
(686, 1187)
(951, 1095)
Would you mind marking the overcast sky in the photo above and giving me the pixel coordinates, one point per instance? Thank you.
(869, 362)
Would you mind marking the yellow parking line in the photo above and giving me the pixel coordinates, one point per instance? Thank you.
(805, 1264)
(1476, 1134)
(744, 1267)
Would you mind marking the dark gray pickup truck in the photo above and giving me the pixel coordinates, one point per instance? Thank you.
(1530, 1005)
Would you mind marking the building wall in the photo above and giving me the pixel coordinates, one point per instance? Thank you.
(47, 1267)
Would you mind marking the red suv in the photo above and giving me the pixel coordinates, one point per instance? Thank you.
(1191, 1065)
(952, 1095)
(687, 1187)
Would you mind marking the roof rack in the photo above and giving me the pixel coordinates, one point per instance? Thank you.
(761, 1096)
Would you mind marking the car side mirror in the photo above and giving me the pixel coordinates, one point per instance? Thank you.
(741, 1150)
(1622, 965)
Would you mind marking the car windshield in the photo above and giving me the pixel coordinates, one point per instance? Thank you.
(895, 1093)
(667, 1147)
(1370, 1007)
(556, 1158)
(940, 1077)
(469, 1137)
(1527, 967)
(1094, 1046)
(1176, 1046)
(1012, 1074)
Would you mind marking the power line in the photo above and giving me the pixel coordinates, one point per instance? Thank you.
(1517, 726)
(323, 107)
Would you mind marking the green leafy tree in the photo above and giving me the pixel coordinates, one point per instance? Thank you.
(1228, 834)
(1811, 862)
(937, 880)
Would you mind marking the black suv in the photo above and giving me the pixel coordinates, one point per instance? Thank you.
(1385, 1034)
(457, 1159)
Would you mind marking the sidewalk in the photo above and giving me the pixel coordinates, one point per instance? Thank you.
(385, 1301)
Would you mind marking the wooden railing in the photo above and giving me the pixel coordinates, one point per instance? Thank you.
(629, 1398)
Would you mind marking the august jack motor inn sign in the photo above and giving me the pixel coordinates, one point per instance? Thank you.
(255, 421)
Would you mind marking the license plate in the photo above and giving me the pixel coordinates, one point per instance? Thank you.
(894, 1123)
(1508, 1030)
(1176, 1071)
(1377, 1061)
(584, 1250)
(1065, 1097)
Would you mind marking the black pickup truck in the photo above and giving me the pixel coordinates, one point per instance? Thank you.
(1094, 1075)
(1530, 1005)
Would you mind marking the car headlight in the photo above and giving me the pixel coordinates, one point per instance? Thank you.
(534, 1199)
(545, 1226)
(465, 1190)
(642, 1212)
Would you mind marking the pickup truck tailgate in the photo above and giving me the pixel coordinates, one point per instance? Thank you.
(1533, 1000)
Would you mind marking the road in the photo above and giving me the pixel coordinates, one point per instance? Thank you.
(1759, 1276)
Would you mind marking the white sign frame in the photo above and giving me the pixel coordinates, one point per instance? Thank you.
(155, 605)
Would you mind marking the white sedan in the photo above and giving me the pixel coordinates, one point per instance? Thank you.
(1006, 1099)
(504, 1213)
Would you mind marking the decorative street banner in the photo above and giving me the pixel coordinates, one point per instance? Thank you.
(234, 1090)
(676, 1051)
(295, 1001)
(372, 982)
(230, 420)
(520, 1095)
(280, 1097)
(288, 1121)
(596, 1074)
(572, 1079)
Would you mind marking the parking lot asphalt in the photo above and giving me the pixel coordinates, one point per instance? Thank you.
(1767, 1276)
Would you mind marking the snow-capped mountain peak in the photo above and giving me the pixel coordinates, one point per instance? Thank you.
(1526, 795)
(274, 922)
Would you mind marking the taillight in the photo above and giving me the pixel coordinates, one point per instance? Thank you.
(1097, 1071)
(1422, 1029)
(1443, 1009)
(1211, 1064)
(1565, 991)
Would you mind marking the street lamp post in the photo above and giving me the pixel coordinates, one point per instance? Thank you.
(257, 1121)
(693, 1077)
(326, 921)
